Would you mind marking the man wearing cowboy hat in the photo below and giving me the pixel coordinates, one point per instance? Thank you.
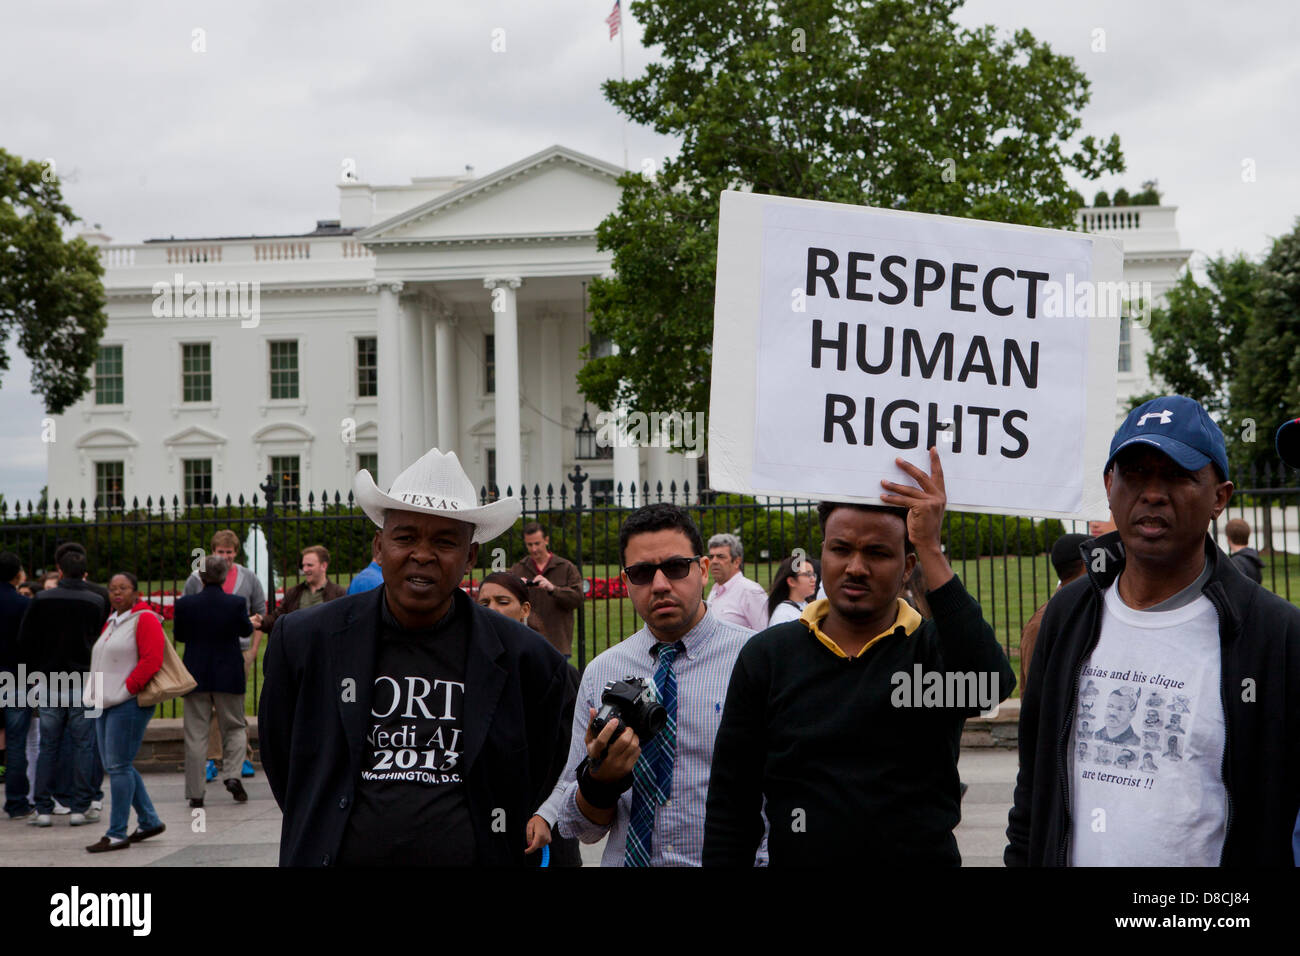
(407, 725)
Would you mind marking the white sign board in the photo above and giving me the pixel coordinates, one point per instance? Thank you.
(846, 336)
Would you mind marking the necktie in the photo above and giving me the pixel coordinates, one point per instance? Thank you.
(653, 775)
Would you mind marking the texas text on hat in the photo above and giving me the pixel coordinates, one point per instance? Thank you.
(1177, 426)
(437, 485)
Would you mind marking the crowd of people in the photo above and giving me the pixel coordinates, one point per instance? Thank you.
(742, 727)
(763, 754)
(96, 650)
(93, 649)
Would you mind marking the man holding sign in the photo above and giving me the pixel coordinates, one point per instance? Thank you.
(848, 721)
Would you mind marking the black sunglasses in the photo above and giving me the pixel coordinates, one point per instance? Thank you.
(674, 569)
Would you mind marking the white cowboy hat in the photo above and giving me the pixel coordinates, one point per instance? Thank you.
(437, 485)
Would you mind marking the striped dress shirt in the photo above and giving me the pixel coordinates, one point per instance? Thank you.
(740, 601)
(703, 671)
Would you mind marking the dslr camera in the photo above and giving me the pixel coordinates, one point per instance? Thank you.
(633, 702)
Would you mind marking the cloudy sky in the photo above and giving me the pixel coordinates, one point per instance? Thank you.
(152, 137)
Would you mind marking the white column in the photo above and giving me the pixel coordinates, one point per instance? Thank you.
(390, 383)
(627, 461)
(505, 329)
(660, 470)
(551, 436)
(428, 379)
(627, 465)
(412, 368)
(448, 407)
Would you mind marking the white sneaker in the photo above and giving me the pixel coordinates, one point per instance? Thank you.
(60, 810)
(42, 820)
(78, 819)
(97, 805)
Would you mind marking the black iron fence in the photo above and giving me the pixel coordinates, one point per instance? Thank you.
(1002, 560)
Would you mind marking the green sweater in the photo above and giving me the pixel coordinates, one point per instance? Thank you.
(850, 775)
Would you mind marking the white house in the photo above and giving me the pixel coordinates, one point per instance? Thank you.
(1151, 254)
(454, 304)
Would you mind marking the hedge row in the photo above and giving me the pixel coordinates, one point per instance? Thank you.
(160, 549)
(970, 536)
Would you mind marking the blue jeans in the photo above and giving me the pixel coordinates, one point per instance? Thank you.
(56, 723)
(18, 722)
(63, 776)
(119, 731)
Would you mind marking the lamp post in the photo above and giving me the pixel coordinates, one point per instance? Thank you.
(579, 478)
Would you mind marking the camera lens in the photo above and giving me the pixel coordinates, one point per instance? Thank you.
(655, 718)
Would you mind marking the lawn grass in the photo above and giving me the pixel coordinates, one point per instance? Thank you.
(1009, 589)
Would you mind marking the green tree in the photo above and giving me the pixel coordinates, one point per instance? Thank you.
(1121, 197)
(1101, 199)
(1195, 335)
(1149, 196)
(1265, 387)
(887, 103)
(51, 292)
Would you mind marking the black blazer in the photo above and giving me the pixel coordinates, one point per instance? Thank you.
(315, 711)
(210, 625)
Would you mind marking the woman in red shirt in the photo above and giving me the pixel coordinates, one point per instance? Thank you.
(124, 659)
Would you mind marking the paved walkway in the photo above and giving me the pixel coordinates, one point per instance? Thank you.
(248, 834)
(224, 833)
(990, 777)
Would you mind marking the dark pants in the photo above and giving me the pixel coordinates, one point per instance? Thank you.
(564, 850)
(57, 723)
(63, 788)
(18, 722)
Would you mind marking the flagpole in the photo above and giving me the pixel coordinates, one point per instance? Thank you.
(622, 69)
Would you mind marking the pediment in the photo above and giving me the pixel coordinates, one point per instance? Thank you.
(282, 431)
(555, 193)
(107, 438)
(194, 435)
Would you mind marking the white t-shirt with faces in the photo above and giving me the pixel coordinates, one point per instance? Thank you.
(1147, 740)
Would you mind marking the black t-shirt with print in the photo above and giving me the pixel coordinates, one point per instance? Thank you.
(411, 807)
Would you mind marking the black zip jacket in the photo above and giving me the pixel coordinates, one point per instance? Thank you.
(1259, 635)
(1248, 563)
(60, 626)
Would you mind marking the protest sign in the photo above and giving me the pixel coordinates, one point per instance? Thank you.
(847, 336)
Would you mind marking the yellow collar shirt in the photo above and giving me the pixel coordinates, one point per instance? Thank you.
(815, 613)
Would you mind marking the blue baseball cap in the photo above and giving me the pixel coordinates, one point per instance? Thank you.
(1177, 426)
(1288, 442)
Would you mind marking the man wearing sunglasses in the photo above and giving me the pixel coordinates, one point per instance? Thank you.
(648, 796)
(854, 771)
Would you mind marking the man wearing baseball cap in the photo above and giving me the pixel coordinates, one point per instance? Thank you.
(407, 725)
(1163, 619)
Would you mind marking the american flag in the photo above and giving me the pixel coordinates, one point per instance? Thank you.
(615, 19)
